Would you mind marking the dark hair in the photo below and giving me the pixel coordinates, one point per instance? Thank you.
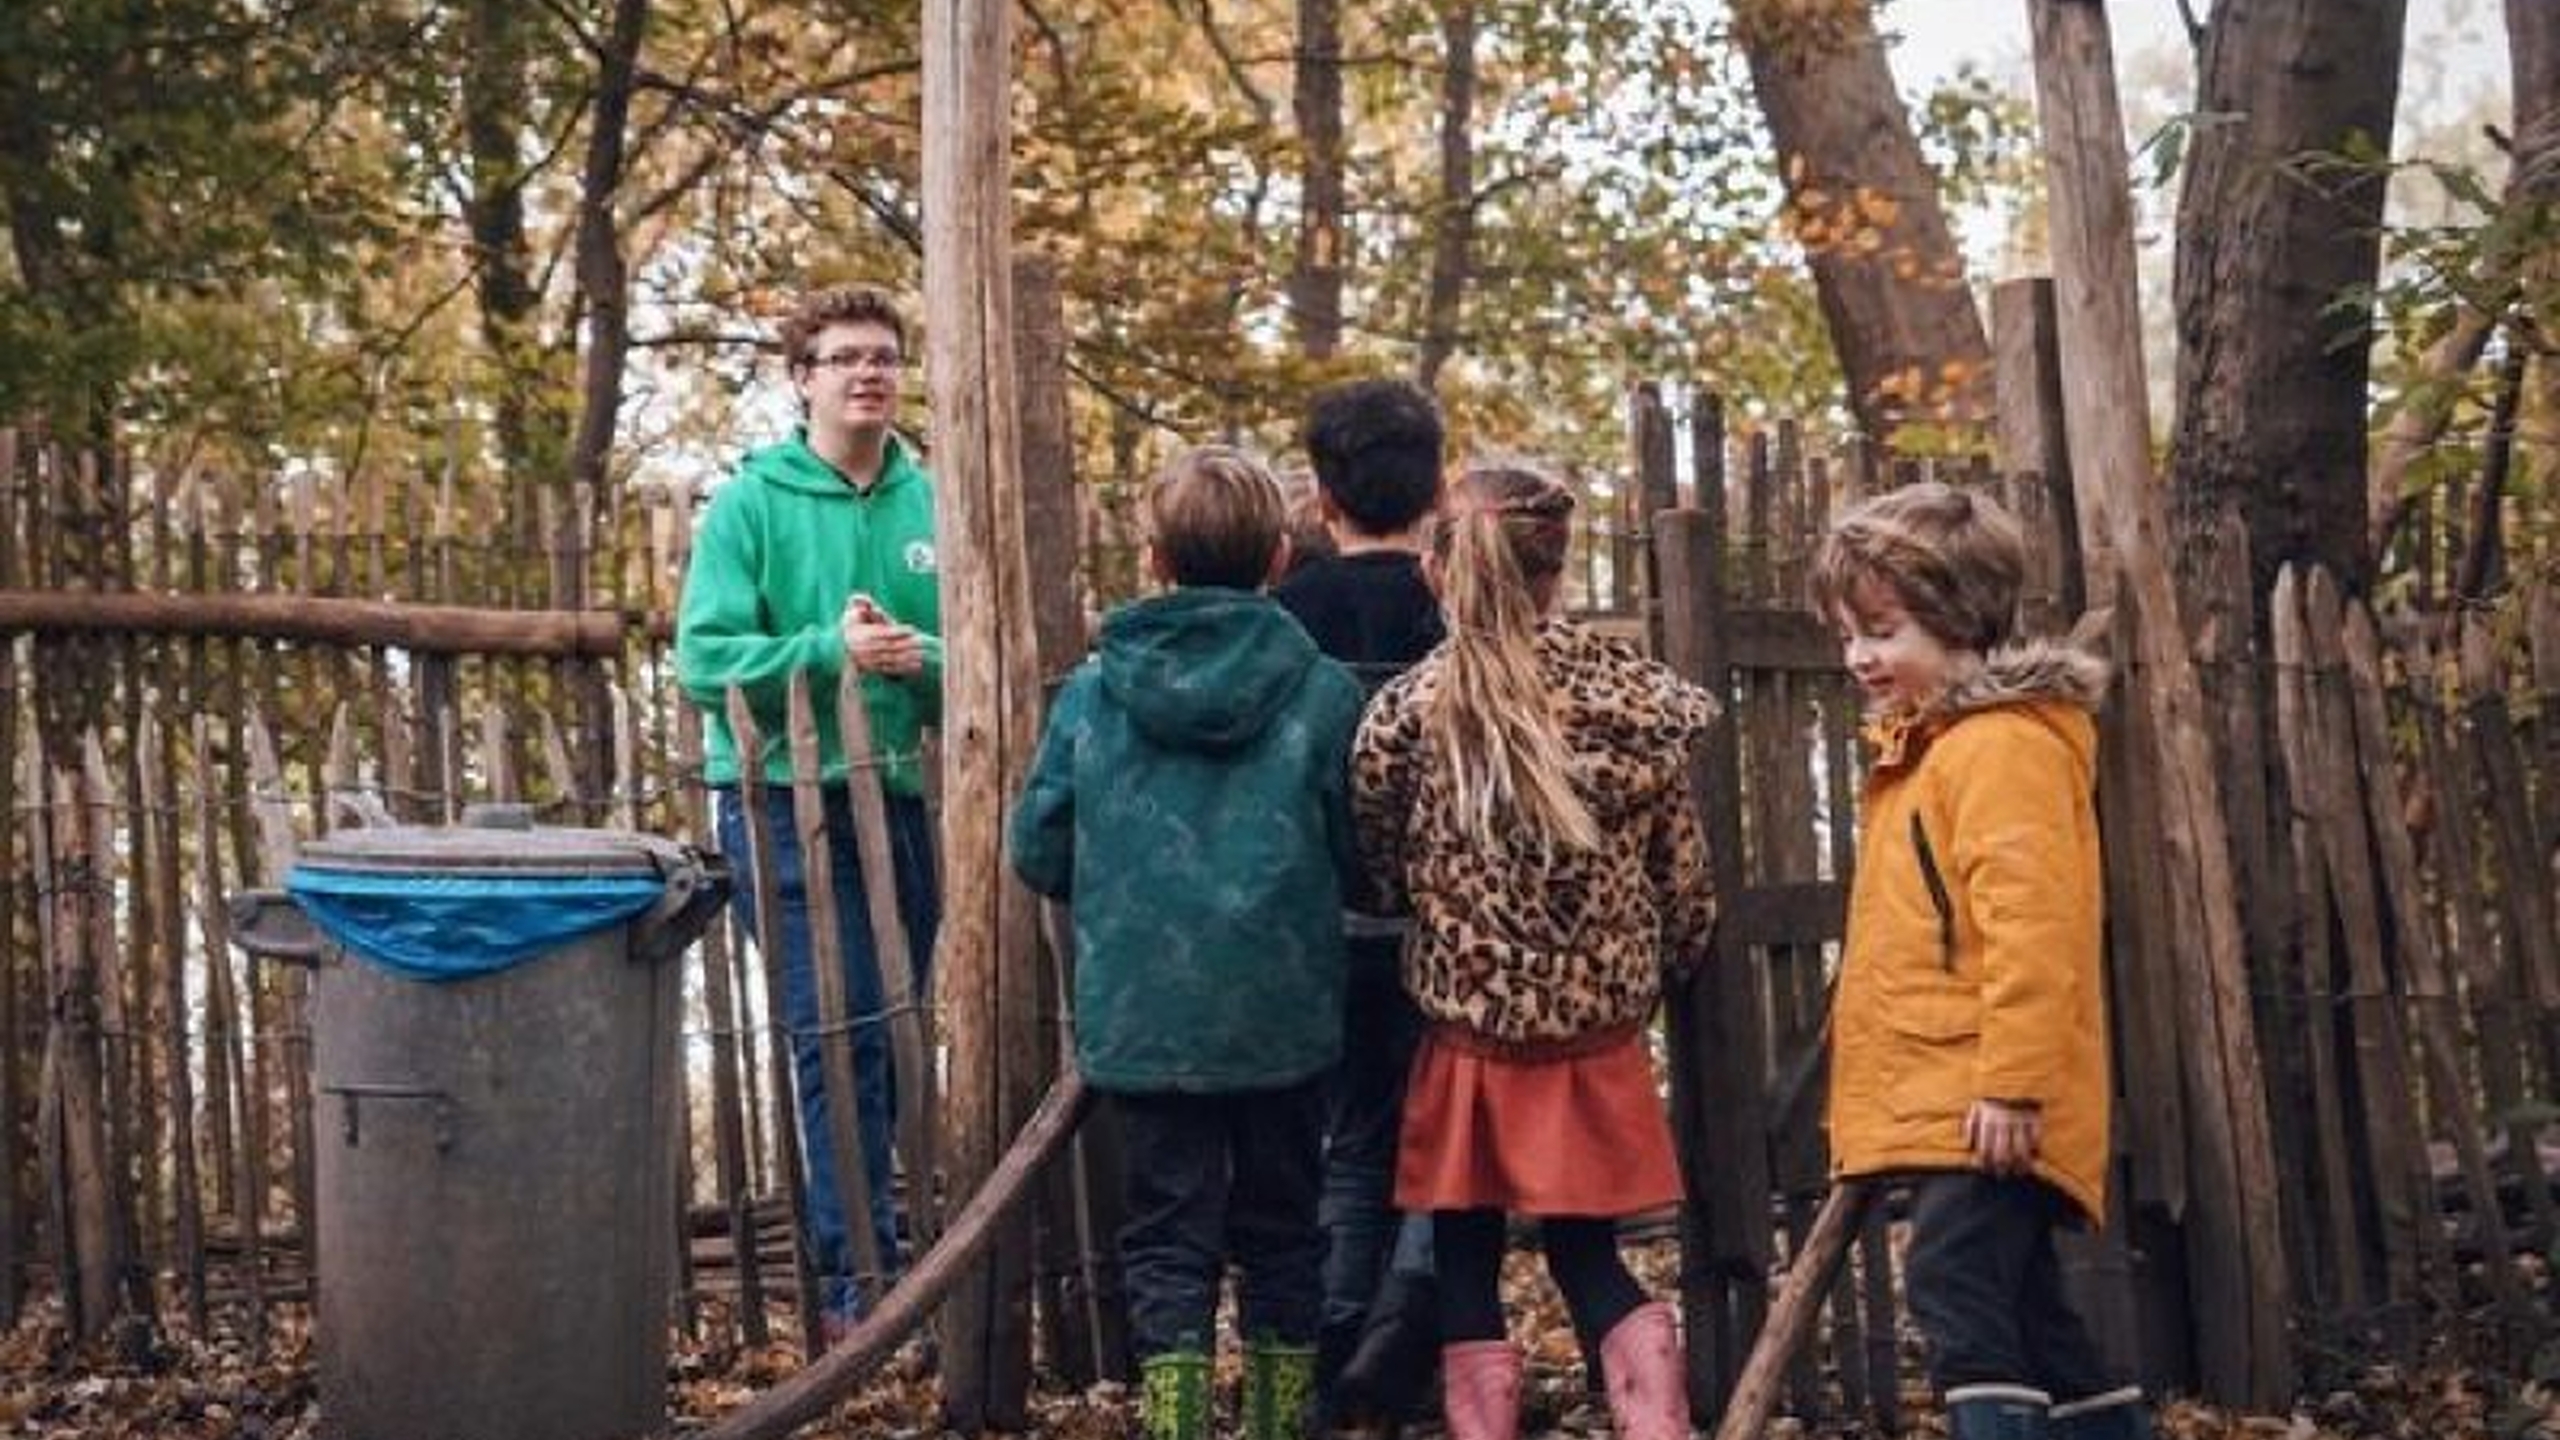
(1955, 559)
(839, 305)
(1375, 445)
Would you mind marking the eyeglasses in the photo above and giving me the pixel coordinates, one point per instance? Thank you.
(883, 361)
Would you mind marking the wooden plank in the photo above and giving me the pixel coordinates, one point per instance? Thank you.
(93, 1260)
(2318, 754)
(720, 1001)
(1756, 582)
(2026, 357)
(910, 1043)
(2429, 996)
(238, 1137)
(1791, 1319)
(2142, 990)
(1657, 490)
(985, 951)
(2238, 1263)
(422, 628)
(1781, 640)
(835, 1012)
(1716, 1026)
(497, 754)
(161, 843)
(2346, 1285)
(53, 1167)
(1079, 1214)
(1788, 541)
(2514, 827)
(2541, 610)
(2482, 956)
(13, 1100)
(767, 889)
(810, 1393)
(1799, 912)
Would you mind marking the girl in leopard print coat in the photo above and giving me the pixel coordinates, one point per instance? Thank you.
(1524, 790)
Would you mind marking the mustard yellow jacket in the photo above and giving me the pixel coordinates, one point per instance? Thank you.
(1972, 964)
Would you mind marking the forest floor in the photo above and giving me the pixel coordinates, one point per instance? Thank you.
(216, 1389)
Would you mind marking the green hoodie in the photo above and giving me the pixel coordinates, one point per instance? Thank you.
(783, 546)
(1190, 801)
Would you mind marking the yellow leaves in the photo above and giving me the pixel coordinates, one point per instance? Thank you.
(1853, 219)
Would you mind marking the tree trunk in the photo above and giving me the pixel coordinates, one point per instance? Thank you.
(1865, 206)
(1315, 286)
(496, 81)
(1453, 239)
(2237, 1266)
(984, 960)
(604, 280)
(2271, 367)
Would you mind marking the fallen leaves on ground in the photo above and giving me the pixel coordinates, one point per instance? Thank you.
(220, 1387)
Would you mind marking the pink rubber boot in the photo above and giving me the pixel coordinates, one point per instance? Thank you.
(1648, 1393)
(1480, 1390)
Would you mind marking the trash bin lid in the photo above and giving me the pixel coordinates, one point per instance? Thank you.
(447, 903)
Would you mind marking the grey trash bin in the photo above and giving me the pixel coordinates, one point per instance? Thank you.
(494, 1028)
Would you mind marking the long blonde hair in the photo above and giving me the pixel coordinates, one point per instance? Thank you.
(1501, 551)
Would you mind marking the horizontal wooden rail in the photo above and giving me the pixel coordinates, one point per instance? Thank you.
(447, 629)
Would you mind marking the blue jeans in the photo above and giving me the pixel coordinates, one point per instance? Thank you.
(875, 1079)
(1364, 1233)
(1214, 1179)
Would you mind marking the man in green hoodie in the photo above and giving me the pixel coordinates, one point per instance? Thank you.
(1190, 804)
(816, 557)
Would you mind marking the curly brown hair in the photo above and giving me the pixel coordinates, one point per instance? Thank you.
(1955, 558)
(838, 305)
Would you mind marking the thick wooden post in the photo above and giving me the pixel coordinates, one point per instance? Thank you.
(1085, 1326)
(991, 682)
(2034, 451)
(1718, 1039)
(2240, 1285)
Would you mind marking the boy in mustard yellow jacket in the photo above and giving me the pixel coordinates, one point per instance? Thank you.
(1969, 1036)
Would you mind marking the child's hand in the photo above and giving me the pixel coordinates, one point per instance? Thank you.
(2003, 1136)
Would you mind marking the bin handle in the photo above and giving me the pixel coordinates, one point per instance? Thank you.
(351, 1098)
(270, 926)
(696, 884)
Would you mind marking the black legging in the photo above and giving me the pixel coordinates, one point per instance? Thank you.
(1582, 1255)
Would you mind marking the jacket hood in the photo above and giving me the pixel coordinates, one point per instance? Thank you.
(2024, 671)
(792, 465)
(2050, 679)
(1638, 712)
(1205, 668)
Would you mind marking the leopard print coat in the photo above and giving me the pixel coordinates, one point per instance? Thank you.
(1530, 949)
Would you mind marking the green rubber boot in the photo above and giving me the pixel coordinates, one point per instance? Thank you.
(1173, 1396)
(1279, 1390)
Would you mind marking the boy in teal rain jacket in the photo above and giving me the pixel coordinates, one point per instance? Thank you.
(1190, 803)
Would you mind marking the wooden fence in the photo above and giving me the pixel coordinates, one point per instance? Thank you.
(191, 679)
(2389, 782)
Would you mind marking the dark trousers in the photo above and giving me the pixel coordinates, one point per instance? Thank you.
(875, 1079)
(1985, 1287)
(1214, 1179)
(1364, 1120)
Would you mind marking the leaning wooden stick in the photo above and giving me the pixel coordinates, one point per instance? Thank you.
(1791, 1316)
(910, 1303)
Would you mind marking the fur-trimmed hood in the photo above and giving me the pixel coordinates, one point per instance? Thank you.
(2029, 670)
(2023, 674)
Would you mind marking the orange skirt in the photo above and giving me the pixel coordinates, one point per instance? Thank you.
(1584, 1134)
